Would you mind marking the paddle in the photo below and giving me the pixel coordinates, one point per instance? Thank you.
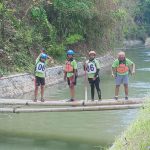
(85, 81)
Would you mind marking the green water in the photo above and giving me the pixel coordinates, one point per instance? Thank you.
(75, 130)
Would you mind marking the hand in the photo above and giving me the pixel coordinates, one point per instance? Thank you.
(133, 72)
(94, 78)
(113, 75)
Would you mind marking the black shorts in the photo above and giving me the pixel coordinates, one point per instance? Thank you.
(69, 80)
(39, 81)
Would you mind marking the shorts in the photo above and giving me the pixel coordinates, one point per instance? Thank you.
(70, 79)
(39, 81)
(121, 79)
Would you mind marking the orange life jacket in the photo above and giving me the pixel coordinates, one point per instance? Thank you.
(68, 67)
(122, 68)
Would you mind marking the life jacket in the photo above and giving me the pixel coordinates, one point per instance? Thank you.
(68, 67)
(91, 67)
(122, 68)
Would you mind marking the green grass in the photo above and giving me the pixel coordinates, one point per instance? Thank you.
(137, 136)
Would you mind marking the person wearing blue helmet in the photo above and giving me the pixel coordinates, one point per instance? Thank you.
(70, 73)
(40, 69)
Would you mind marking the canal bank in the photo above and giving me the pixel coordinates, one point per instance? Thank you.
(137, 136)
(16, 85)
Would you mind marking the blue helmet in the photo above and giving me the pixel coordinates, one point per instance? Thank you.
(43, 56)
(70, 52)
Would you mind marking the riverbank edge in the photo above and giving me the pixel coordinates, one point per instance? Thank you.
(16, 85)
(137, 135)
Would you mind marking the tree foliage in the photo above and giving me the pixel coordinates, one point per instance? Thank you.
(28, 25)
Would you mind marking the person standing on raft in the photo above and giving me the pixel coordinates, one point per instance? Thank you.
(40, 69)
(92, 67)
(120, 71)
(70, 73)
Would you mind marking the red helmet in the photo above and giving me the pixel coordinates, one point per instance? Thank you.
(92, 52)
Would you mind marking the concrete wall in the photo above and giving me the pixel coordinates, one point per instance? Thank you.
(19, 84)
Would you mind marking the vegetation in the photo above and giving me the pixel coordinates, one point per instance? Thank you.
(27, 26)
(137, 137)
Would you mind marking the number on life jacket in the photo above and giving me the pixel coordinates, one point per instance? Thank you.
(68, 67)
(122, 68)
(91, 67)
(40, 67)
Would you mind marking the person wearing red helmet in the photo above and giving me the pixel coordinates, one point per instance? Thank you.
(92, 67)
(70, 73)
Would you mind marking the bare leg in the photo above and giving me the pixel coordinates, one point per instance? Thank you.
(117, 90)
(42, 92)
(72, 91)
(35, 93)
(126, 89)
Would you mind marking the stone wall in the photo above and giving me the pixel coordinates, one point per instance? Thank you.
(147, 42)
(19, 84)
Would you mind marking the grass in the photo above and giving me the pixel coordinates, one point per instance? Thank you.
(137, 136)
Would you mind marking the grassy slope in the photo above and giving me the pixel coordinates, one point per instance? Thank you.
(137, 137)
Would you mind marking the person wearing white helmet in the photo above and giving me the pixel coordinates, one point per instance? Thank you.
(120, 71)
(92, 67)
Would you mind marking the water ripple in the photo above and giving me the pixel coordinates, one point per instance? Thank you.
(143, 69)
(141, 85)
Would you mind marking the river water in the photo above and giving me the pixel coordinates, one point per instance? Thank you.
(76, 130)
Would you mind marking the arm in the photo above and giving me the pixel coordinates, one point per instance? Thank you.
(113, 72)
(50, 58)
(96, 74)
(65, 75)
(133, 69)
(97, 69)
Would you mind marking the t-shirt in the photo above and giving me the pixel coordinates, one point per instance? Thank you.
(116, 64)
(74, 65)
(40, 68)
(91, 67)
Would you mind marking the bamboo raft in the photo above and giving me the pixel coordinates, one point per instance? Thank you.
(17, 105)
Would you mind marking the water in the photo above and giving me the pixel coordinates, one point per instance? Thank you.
(75, 130)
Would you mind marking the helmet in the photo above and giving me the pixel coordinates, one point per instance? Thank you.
(70, 52)
(43, 56)
(92, 52)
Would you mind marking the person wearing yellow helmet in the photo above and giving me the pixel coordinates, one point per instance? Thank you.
(92, 67)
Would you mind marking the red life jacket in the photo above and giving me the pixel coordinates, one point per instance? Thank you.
(122, 68)
(68, 67)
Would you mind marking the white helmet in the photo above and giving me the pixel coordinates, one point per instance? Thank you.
(92, 52)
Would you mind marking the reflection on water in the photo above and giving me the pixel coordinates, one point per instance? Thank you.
(143, 69)
(75, 130)
(141, 85)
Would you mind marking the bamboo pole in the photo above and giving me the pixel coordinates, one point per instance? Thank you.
(69, 109)
(75, 103)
